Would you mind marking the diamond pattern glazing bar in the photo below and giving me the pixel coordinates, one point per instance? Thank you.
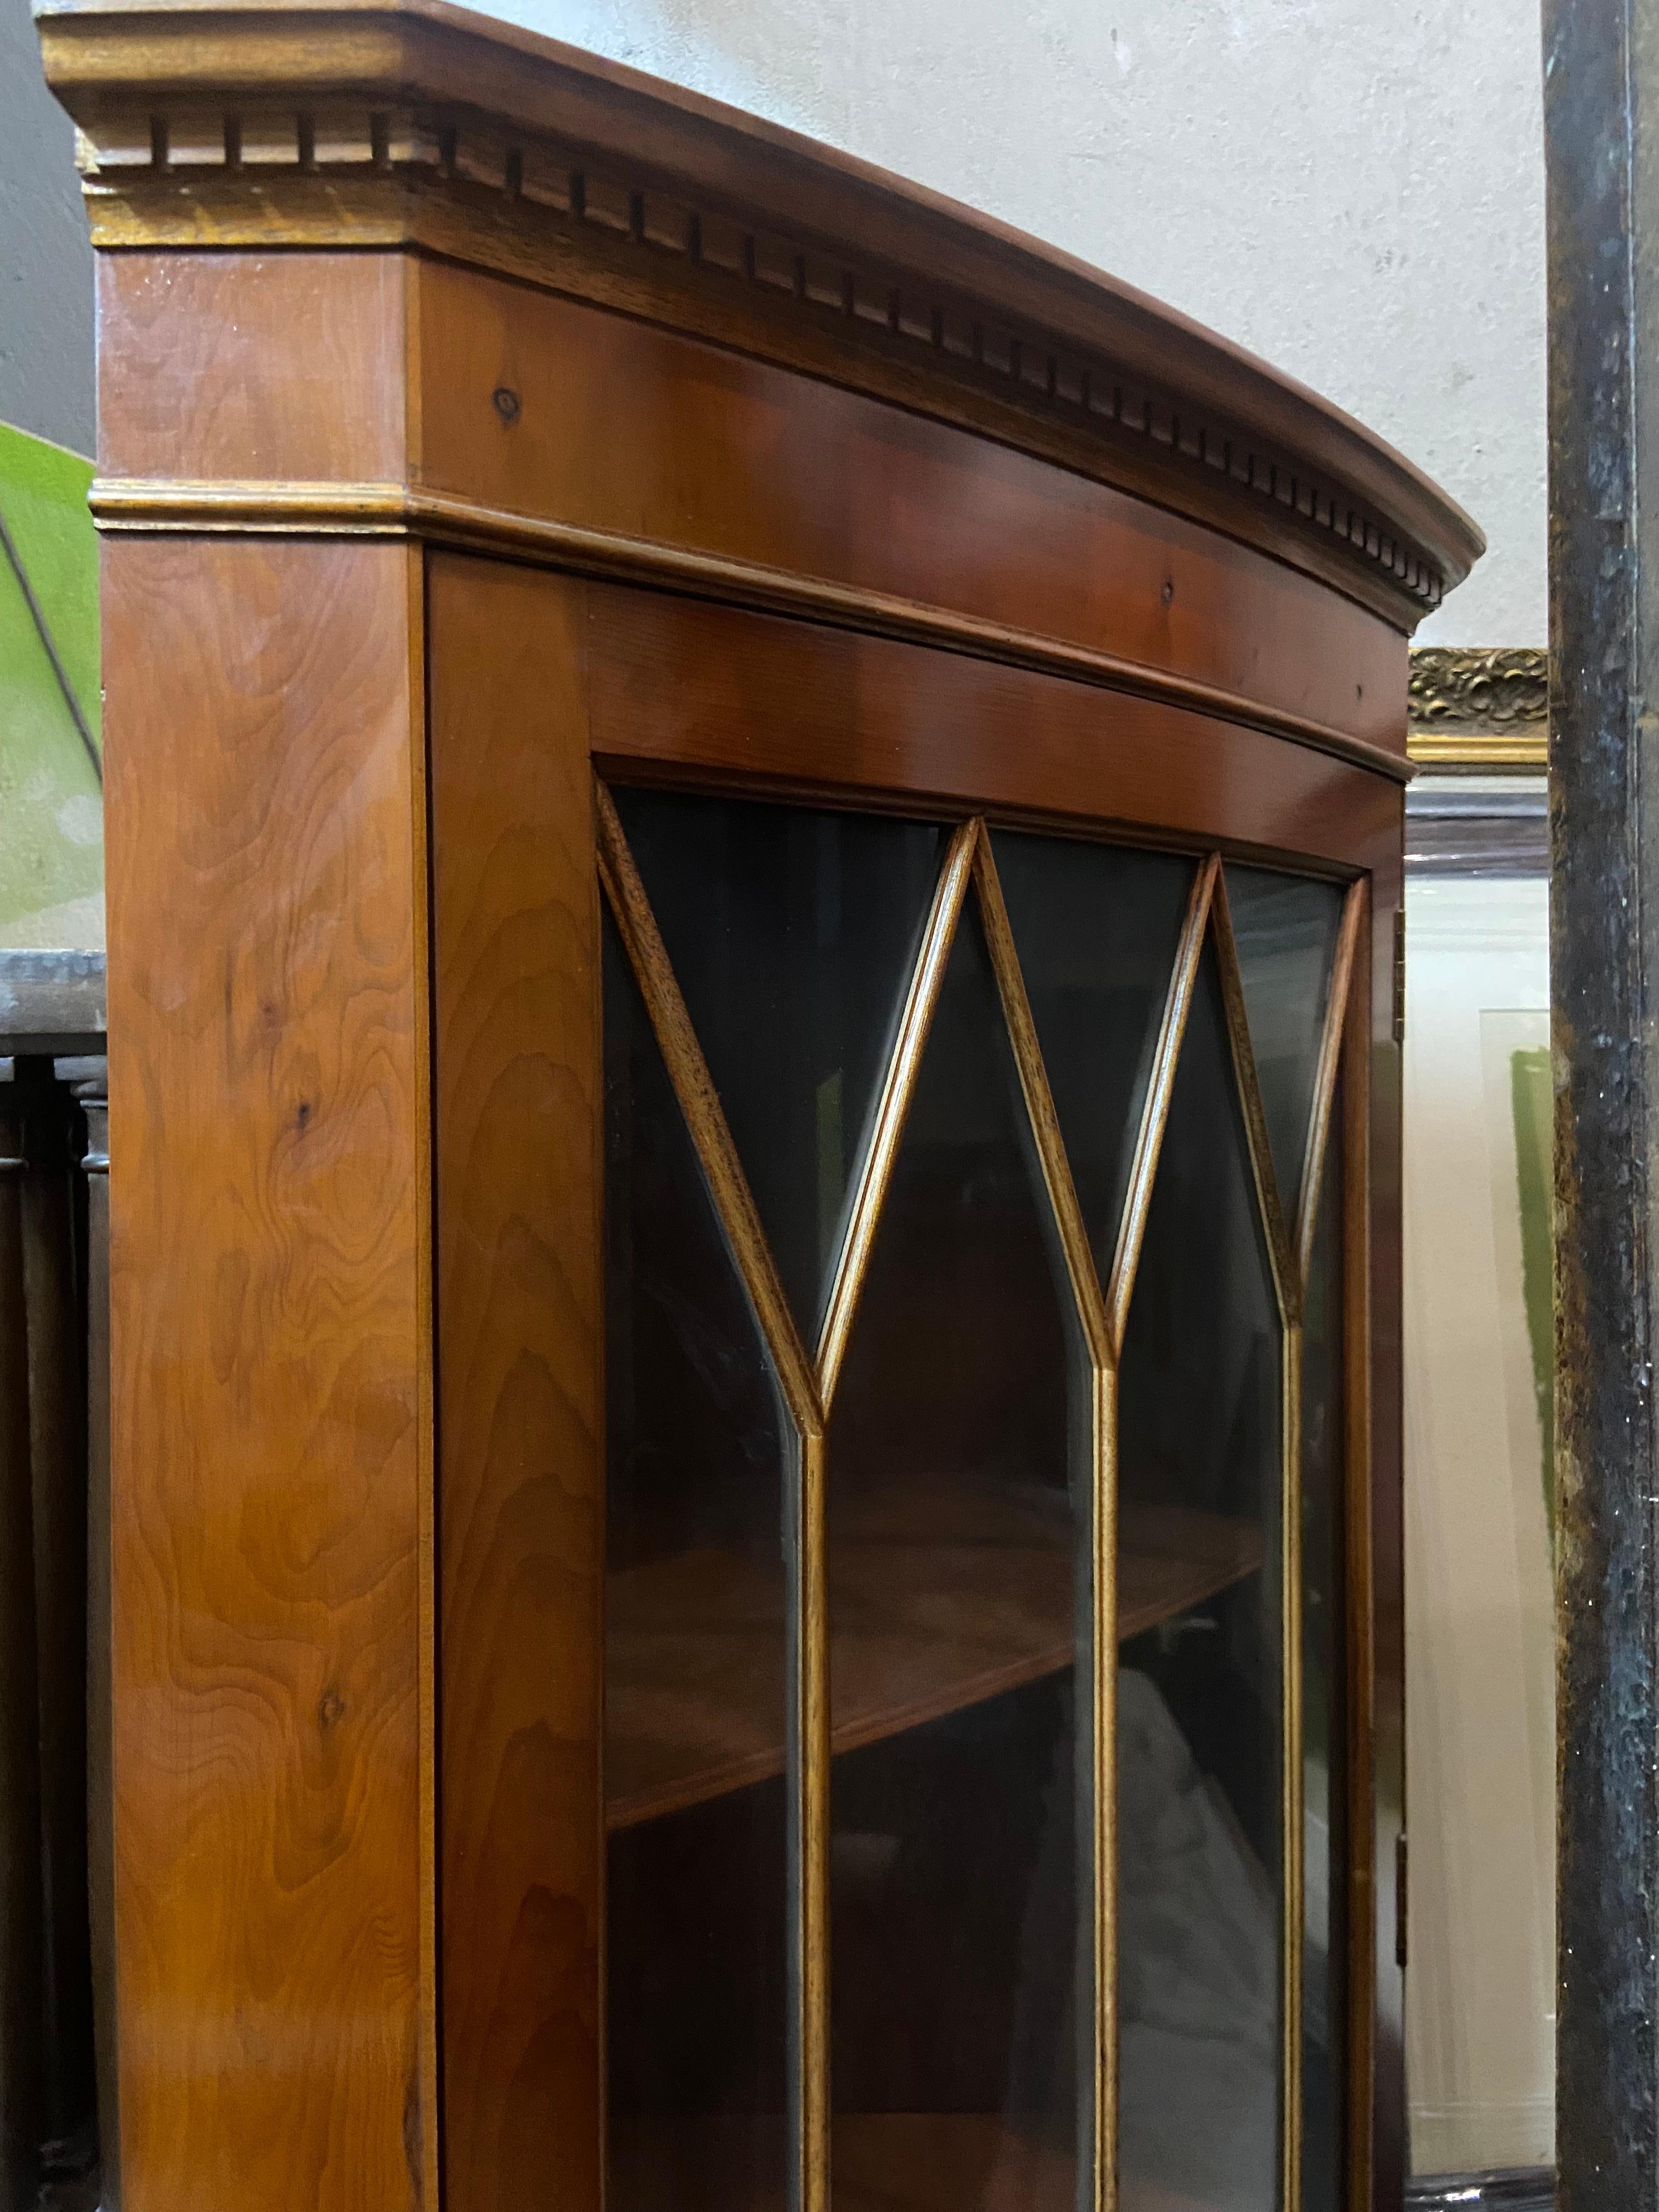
(809, 1386)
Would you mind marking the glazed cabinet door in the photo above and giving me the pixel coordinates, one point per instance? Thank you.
(976, 1688)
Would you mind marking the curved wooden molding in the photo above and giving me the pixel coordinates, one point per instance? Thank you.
(320, 123)
(145, 507)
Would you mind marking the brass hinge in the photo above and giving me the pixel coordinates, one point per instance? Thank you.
(1400, 976)
(1400, 1901)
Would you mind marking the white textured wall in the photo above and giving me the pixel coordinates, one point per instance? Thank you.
(1351, 188)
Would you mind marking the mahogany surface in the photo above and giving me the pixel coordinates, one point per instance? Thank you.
(269, 366)
(477, 417)
(702, 447)
(515, 977)
(268, 1117)
(713, 455)
(688, 692)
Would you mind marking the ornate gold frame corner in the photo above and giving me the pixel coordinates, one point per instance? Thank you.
(1478, 707)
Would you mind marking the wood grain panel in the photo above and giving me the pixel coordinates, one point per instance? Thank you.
(686, 690)
(253, 365)
(267, 1108)
(626, 427)
(521, 1510)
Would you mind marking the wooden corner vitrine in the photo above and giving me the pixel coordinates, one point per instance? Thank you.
(754, 838)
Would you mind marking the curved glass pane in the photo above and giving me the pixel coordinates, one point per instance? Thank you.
(1200, 1736)
(1098, 928)
(698, 1452)
(1285, 928)
(958, 1505)
(792, 935)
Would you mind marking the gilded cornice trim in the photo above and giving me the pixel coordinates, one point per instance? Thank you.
(461, 222)
(150, 508)
(1479, 706)
(326, 125)
(166, 182)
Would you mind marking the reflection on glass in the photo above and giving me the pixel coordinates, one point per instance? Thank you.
(1200, 1885)
(1286, 927)
(959, 1459)
(1097, 928)
(698, 1452)
(1324, 1628)
(792, 935)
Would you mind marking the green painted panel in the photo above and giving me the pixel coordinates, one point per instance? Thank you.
(52, 838)
(43, 495)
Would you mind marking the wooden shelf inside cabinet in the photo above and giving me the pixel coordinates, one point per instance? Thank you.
(883, 2162)
(939, 1600)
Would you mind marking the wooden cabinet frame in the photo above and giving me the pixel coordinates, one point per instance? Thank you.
(480, 425)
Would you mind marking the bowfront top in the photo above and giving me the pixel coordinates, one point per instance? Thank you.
(416, 123)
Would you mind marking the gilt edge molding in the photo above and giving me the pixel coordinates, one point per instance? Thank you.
(148, 507)
(179, 186)
(1479, 706)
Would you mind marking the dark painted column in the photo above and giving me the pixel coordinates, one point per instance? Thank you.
(1601, 132)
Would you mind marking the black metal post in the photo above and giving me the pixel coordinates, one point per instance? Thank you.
(1602, 137)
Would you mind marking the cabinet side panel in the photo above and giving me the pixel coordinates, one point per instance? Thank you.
(269, 1126)
(253, 367)
(520, 1505)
